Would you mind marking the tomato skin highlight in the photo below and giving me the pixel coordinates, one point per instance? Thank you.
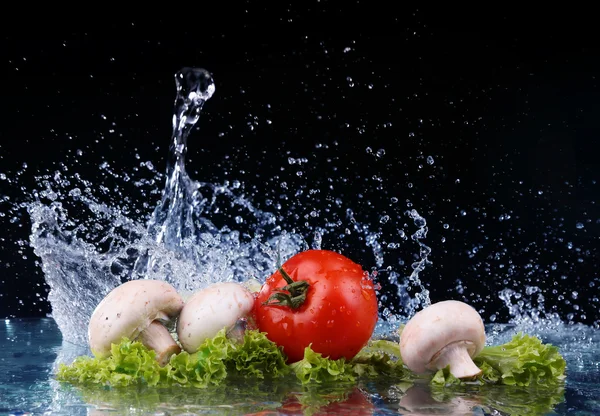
(338, 316)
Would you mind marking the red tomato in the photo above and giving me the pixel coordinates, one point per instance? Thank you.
(336, 313)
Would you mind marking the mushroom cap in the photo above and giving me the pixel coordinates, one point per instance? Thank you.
(218, 306)
(437, 326)
(128, 310)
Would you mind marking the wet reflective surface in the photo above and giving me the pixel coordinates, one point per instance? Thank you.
(33, 348)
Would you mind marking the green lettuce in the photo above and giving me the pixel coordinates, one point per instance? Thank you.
(132, 363)
(380, 357)
(208, 365)
(314, 368)
(129, 363)
(523, 361)
(259, 357)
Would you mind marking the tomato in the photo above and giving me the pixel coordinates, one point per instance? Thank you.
(331, 304)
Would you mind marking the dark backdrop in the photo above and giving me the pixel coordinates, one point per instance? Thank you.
(506, 103)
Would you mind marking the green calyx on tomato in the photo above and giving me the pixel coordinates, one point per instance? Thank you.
(297, 292)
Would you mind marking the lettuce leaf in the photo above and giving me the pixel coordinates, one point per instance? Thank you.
(314, 368)
(378, 358)
(523, 361)
(133, 363)
(129, 363)
(259, 357)
(204, 367)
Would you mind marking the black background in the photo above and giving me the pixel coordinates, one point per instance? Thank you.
(507, 103)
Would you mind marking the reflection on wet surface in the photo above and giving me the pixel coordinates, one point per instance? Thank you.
(32, 348)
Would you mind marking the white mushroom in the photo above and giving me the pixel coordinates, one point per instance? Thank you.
(445, 333)
(218, 306)
(138, 310)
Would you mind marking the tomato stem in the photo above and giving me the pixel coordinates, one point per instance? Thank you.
(286, 276)
(297, 292)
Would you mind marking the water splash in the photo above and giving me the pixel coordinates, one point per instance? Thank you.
(173, 219)
(179, 228)
(87, 247)
(422, 297)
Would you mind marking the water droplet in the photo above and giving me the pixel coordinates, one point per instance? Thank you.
(579, 225)
(75, 192)
(430, 160)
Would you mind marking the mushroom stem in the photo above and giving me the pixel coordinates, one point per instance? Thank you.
(457, 356)
(157, 338)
